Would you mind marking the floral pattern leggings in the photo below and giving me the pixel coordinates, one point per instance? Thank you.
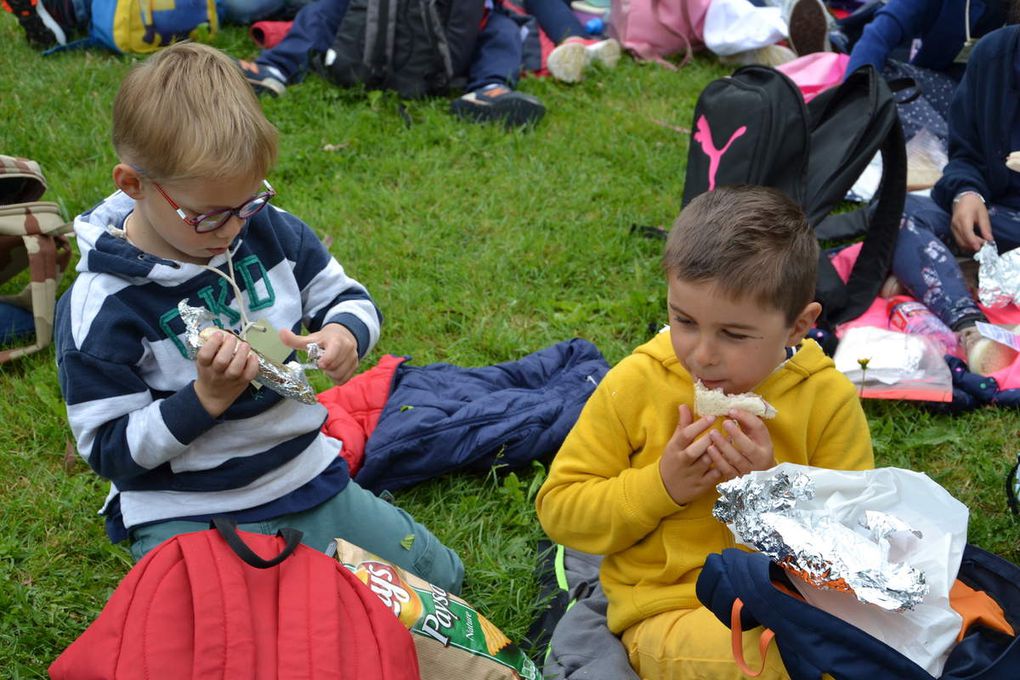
(925, 260)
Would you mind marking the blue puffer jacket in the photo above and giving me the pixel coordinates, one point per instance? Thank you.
(442, 418)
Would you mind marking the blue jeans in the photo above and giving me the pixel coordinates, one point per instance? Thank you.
(247, 12)
(355, 515)
(555, 18)
(314, 30)
(498, 53)
(925, 263)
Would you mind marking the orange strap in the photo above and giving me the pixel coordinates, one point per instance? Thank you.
(737, 639)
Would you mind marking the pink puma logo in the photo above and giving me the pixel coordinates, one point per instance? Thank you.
(704, 137)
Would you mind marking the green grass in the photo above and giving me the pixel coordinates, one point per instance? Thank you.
(479, 245)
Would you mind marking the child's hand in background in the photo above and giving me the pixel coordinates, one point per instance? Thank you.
(745, 446)
(225, 367)
(685, 466)
(339, 358)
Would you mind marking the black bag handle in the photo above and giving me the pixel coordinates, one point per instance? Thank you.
(228, 530)
(905, 84)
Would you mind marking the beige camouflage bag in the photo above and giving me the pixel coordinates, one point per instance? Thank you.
(32, 237)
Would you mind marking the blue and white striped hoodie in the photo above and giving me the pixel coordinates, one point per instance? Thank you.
(129, 385)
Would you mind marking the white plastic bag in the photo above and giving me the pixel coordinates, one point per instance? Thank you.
(926, 633)
(895, 365)
(734, 26)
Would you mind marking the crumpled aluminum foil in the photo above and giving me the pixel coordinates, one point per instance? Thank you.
(998, 276)
(287, 380)
(867, 560)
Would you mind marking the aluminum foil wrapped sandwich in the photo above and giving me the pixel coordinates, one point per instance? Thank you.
(880, 549)
(287, 380)
(775, 515)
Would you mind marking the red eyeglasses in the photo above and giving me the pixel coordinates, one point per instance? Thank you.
(211, 221)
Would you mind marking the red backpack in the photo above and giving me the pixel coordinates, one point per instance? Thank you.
(206, 605)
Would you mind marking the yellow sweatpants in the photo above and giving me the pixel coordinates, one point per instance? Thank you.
(691, 644)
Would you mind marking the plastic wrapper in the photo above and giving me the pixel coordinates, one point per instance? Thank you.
(877, 548)
(926, 157)
(287, 380)
(998, 276)
(886, 364)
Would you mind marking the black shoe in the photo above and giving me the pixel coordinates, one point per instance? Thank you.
(263, 79)
(498, 103)
(41, 29)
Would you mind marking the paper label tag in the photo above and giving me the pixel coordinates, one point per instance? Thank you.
(265, 339)
(964, 54)
(998, 334)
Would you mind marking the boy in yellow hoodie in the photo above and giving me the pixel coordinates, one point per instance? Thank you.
(635, 479)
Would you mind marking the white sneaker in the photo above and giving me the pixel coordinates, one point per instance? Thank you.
(570, 58)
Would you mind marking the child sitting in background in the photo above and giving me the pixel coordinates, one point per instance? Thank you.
(635, 479)
(184, 440)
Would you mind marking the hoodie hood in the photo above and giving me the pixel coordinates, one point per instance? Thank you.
(105, 249)
(806, 361)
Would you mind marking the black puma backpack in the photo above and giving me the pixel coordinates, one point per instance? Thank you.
(753, 127)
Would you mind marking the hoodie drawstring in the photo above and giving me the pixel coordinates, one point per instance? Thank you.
(246, 323)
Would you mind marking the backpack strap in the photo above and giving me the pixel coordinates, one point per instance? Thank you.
(1013, 487)
(228, 530)
(737, 642)
(842, 302)
(33, 237)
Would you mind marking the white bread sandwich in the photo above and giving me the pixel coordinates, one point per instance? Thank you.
(716, 403)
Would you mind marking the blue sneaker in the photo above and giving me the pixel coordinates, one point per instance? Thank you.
(263, 79)
(497, 102)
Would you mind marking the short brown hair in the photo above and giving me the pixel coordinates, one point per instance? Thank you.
(187, 113)
(749, 241)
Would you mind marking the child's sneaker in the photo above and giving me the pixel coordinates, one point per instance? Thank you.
(570, 58)
(498, 103)
(41, 29)
(263, 79)
(984, 355)
(808, 27)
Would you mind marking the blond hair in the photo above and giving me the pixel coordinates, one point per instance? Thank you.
(748, 241)
(187, 113)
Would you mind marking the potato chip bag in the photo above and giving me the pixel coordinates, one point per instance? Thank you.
(451, 638)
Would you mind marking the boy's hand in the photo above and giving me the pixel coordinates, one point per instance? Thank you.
(225, 367)
(685, 466)
(746, 446)
(339, 358)
(969, 212)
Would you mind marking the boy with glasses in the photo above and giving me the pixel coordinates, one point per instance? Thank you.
(183, 440)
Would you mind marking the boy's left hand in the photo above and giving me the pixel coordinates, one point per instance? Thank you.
(339, 358)
(745, 446)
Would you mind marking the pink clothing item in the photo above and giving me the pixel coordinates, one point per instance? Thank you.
(816, 72)
(655, 29)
